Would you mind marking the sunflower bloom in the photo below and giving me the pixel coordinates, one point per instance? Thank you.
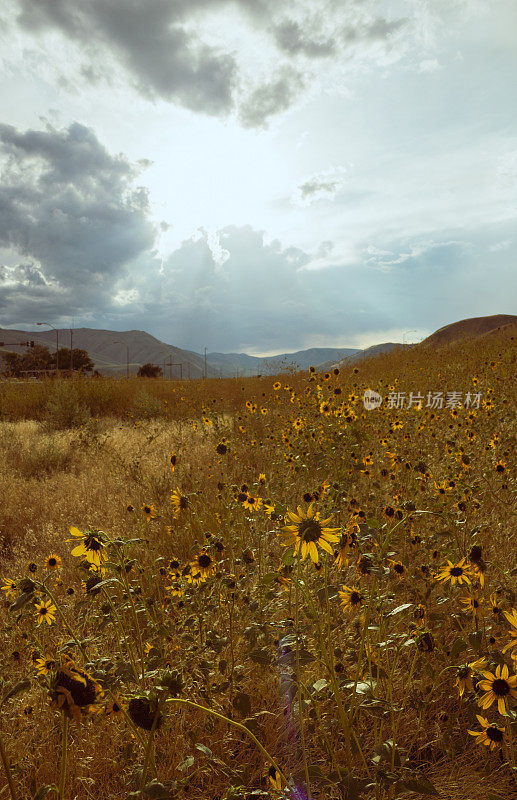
(498, 687)
(204, 564)
(9, 588)
(45, 610)
(455, 573)
(53, 562)
(511, 616)
(179, 502)
(148, 511)
(466, 673)
(307, 531)
(44, 665)
(91, 548)
(491, 735)
(351, 598)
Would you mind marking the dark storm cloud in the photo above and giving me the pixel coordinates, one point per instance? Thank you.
(262, 297)
(291, 38)
(164, 56)
(271, 97)
(369, 30)
(68, 206)
(150, 39)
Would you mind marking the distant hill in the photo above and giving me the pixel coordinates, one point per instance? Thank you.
(109, 350)
(476, 326)
(243, 364)
(360, 355)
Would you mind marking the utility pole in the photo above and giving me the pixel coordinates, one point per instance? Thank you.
(204, 371)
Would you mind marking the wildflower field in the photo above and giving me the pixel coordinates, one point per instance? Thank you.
(256, 588)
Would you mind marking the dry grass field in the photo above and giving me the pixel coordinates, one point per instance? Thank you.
(310, 600)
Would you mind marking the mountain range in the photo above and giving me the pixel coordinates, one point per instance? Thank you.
(118, 352)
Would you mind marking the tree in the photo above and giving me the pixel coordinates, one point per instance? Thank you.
(149, 371)
(34, 359)
(80, 359)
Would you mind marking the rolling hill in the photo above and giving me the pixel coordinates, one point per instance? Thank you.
(475, 326)
(243, 364)
(114, 352)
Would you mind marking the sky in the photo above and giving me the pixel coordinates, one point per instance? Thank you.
(258, 176)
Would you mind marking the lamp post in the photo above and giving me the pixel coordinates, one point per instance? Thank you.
(57, 343)
(127, 356)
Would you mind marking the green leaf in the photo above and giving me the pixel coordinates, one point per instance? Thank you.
(262, 656)
(457, 647)
(399, 609)
(242, 703)
(20, 687)
(186, 764)
(44, 790)
(204, 749)
(422, 785)
(22, 600)
(157, 791)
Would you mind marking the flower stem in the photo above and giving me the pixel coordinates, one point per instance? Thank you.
(7, 769)
(235, 724)
(64, 758)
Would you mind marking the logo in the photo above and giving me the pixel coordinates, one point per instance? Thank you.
(371, 400)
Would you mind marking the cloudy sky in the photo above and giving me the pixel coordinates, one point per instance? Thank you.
(258, 175)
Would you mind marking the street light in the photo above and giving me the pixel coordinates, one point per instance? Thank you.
(127, 356)
(57, 343)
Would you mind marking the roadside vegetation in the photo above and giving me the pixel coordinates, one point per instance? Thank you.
(255, 588)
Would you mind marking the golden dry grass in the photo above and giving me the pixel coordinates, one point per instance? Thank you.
(91, 452)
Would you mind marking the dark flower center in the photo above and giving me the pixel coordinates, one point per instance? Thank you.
(309, 530)
(142, 714)
(83, 694)
(204, 560)
(43, 611)
(52, 562)
(494, 734)
(399, 568)
(355, 598)
(92, 543)
(456, 571)
(500, 687)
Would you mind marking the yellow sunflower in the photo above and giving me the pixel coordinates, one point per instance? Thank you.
(179, 502)
(466, 673)
(252, 503)
(511, 616)
(44, 665)
(45, 610)
(308, 531)
(351, 598)
(148, 511)
(204, 564)
(53, 562)
(491, 735)
(472, 603)
(498, 687)
(455, 573)
(9, 588)
(91, 548)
